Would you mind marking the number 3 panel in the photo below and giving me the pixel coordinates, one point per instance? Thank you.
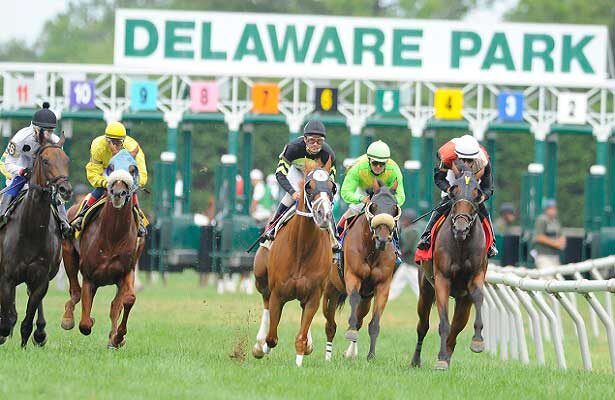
(204, 96)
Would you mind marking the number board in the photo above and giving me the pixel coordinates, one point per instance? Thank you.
(448, 103)
(387, 102)
(571, 108)
(143, 95)
(204, 96)
(265, 98)
(326, 99)
(82, 94)
(510, 106)
(20, 92)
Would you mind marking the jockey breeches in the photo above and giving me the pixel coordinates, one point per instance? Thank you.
(294, 177)
(17, 184)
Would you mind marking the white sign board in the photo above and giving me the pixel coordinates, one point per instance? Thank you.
(325, 47)
(23, 91)
(571, 108)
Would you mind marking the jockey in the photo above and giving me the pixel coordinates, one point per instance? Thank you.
(310, 146)
(464, 149)
(103, 148)
(375, 164)
(18, 158)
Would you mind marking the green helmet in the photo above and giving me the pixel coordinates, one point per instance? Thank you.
(379, 151)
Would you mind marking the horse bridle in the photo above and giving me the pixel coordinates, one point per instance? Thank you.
(466, 216)
(374, 222)
(308, 203)
(51, 185)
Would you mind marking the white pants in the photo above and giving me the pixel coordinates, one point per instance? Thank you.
(295, 175)
(354, 209)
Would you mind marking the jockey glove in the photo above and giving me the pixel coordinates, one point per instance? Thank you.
(25, 172)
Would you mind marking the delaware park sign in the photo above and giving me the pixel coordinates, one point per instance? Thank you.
(321, 47)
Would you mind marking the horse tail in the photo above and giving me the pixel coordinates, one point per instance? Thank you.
(341, 300)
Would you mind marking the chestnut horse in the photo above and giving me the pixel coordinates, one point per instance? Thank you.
(458, 270)
(31, 246)
(297, 265)
(369, 263)
(106, 254)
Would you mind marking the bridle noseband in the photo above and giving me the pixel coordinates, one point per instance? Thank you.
(50, 186)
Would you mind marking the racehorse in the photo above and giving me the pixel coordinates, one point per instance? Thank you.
(458, 270)
(369, 262)
(31, 247)
(106, 254)
(297, 264)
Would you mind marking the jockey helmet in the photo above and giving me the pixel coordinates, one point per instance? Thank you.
(467, 147)
(379, 151)
(44, 118)
(115, 130)
(257, 175)
(315, 127)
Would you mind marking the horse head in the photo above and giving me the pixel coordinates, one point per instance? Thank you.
(318, 192)
(382, 213)
(50, 170)
(465, 194)
(123, 177)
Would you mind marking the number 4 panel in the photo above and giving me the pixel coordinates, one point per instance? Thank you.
(204, 96)
(448, 103)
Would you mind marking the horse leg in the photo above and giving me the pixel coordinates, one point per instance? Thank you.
(275, 312)
(309, 310)
(34, 299)
(114, 313)
(442, 286)
(261, 281)
(353, 285)
(87, 294)
(380, 302)
(329, 304)
(423, 308)
(71, 266)
(7, 302)
(476, 292)
(460, 319)
(128, 300)
(40, 336)
(362, 310)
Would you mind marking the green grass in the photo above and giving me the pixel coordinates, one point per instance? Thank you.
(181, 338)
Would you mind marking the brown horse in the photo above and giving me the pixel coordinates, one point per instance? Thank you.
(297, 265)
(369, 262)
(30, 246)
(106, 254)
(458, 270)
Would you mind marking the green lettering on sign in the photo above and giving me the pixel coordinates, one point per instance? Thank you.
(250, 34)
(171, 39)
(570, 52)
(329, 36)
(290, 38)
(360, 46)
(457, 52)
(499, 42)
(529, 53)
(206, 52)
(400, 47)
(129, 40)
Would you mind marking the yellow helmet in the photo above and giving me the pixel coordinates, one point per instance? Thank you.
(115, 130)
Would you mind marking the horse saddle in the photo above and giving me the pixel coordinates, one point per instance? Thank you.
(287, 216)
(93, 211)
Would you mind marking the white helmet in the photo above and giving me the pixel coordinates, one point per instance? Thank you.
(467, 147)
(257, 175)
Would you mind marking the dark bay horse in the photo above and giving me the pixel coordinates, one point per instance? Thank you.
(106, 254)
(297, 265)
(458, 270)
(31, 245)
(369, 262)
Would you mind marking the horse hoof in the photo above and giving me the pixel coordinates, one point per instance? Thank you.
(371, 356)
(441, 365)
(477, 346)
(85, 330)
(328, 356)
(308, 350)
(352, 335)
(68, 323)
(415, 363)
(257, 351)
(3, 340)
(349, 355)
(42, 343)
(299, 360)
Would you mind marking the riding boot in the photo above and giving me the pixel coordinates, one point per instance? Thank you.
(340, 225)
(336, 245)
(78, 220)
(425, 241)
(269, 231)
(65, 226)
(398, 260)
(141, 230)
(4, 205)
(493, 251)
